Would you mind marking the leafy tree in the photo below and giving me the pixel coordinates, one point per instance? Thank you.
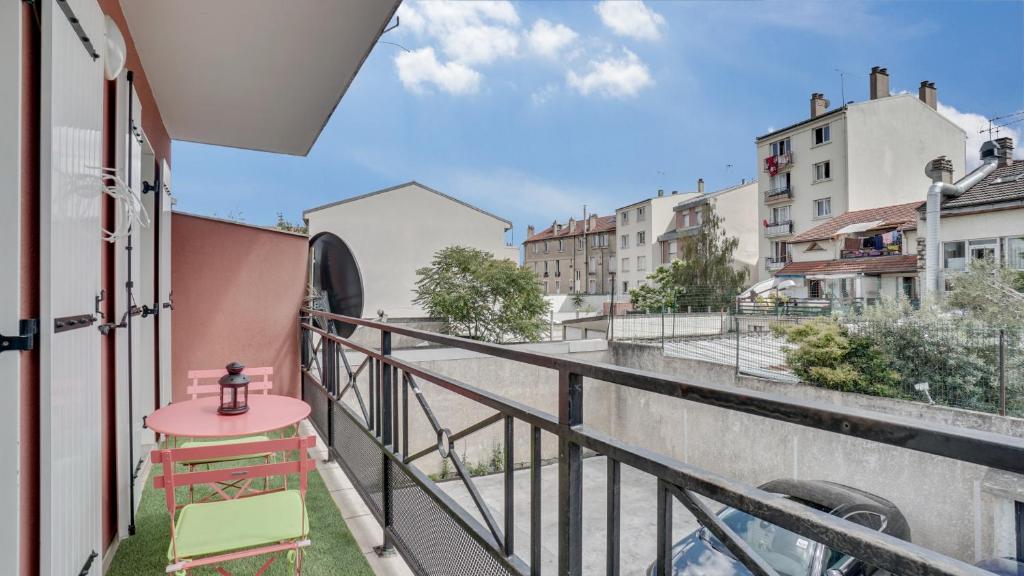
(990, 294)
(704, 275)
(481, 297)
(287, 226)
(577, 302)
(829, 355)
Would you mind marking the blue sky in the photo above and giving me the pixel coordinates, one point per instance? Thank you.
(532, 109)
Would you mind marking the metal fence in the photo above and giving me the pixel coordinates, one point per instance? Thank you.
(370, 438)
(946, 363)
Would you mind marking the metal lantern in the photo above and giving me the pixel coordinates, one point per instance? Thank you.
(234, 391)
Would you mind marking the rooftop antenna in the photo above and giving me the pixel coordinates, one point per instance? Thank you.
(389, 29)
(995, 124)
(842, 84)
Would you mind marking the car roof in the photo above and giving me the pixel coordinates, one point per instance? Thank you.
(841, 500)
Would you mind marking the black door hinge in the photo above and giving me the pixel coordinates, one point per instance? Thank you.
(88, 564)
(25, 340)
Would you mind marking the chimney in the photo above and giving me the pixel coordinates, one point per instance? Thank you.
(674, 192)
(879, 83)
(927, 93)
(941, 170)
(660, 192)
(529, 231)
(818, 104)
(572, 225)
(593, 222)
(1005, 151)
(700, 185)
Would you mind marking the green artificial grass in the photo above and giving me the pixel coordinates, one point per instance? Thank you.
(333, 551)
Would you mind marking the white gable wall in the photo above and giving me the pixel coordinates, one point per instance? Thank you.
(394, 233)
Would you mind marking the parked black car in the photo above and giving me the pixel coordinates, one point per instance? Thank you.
(702, 554)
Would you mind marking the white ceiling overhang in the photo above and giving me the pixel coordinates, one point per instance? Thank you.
(257, 74)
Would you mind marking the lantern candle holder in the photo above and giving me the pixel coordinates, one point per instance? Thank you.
(234, 391)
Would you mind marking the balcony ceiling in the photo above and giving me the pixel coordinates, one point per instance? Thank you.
(257, 74)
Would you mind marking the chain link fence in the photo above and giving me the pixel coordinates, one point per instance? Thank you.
(949, 363)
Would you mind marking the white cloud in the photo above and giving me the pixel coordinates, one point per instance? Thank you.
(467, 32)
(545, 93)
(612, 77)
(547, 39)
(480, 44)
(973, 124)
(631, 19)
(420, 68)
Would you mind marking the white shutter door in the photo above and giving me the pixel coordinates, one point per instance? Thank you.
(164, 289)
(10, 264)
(71, 151)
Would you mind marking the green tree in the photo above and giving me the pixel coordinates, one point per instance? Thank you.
(704, 275)
(287, 226)
(577, 300)
(481, 297)
(988, 293)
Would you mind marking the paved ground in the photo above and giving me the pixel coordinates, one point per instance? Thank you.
(761, 355)
(638, 520)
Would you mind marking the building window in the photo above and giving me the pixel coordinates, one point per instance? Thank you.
(641, 238)
(581, 242)
(822, 207)
(1015, 253)
(780, 147)
(561, 245)
(558, 287)
(954, 255)
(546, 288)
(984, 249)
(641, 263)
(545, 267)
(699, 212)
(558, 267)
(908, 287)
(822, 171)
(815, 289)
(780, 215)
(625, 265)
(625, 286)
(780, 181)
(536, 247)
(640, 214)
(686, 219)
(672, 247)
(780, 251)
(593, 264)
(822, 135)
(592, 286)
(545, 247)
(625, 217)
(624, 243)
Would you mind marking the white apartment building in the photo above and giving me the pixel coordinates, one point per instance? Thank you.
(735, 205)
(859, 156)
(638, 228)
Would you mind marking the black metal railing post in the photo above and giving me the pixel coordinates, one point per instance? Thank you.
(1002, 372)
(384, 404)
(570, 476)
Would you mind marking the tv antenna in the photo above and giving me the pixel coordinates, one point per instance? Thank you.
(997, 122)
(842, 85)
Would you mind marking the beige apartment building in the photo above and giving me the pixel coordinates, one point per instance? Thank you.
(637, 229)
(735, 205)
(859, 156)
(572, 257)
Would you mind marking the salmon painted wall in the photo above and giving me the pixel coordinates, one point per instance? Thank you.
(237, 291)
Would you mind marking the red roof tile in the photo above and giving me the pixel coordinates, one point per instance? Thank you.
(867, 265)
(604, 224)
(900, 216)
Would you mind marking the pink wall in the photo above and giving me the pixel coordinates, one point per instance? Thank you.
(237, 291)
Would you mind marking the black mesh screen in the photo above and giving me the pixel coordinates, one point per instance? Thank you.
(361, 458)
(429, 533)
(316, 397)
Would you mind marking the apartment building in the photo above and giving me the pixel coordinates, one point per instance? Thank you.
(858, 156)
(638, 227)
(735, 205)
(572, 257)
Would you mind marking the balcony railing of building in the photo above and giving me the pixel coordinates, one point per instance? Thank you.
(773, 263)
(871, 252)
(370, 438)
(778, 228)
(773, 164)
(778, 194)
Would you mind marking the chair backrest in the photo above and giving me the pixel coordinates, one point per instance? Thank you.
(173, 478)
(260, 381)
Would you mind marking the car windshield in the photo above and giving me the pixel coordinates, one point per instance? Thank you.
(790, 554)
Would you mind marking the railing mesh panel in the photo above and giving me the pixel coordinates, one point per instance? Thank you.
(317, 399)
(361, 458)
(439, 544)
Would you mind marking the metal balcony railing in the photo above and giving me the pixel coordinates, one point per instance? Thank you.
(778, 228)
(370, 438)
(772, 263)
(778, 194)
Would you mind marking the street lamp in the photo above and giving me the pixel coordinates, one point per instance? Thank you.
(611, 308)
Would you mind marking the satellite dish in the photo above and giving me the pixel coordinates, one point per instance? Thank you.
(115, 53)
(335, 274)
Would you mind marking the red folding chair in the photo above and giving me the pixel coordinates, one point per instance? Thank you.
(241, 524)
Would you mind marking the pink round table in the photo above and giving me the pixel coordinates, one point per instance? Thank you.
(199, 418)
